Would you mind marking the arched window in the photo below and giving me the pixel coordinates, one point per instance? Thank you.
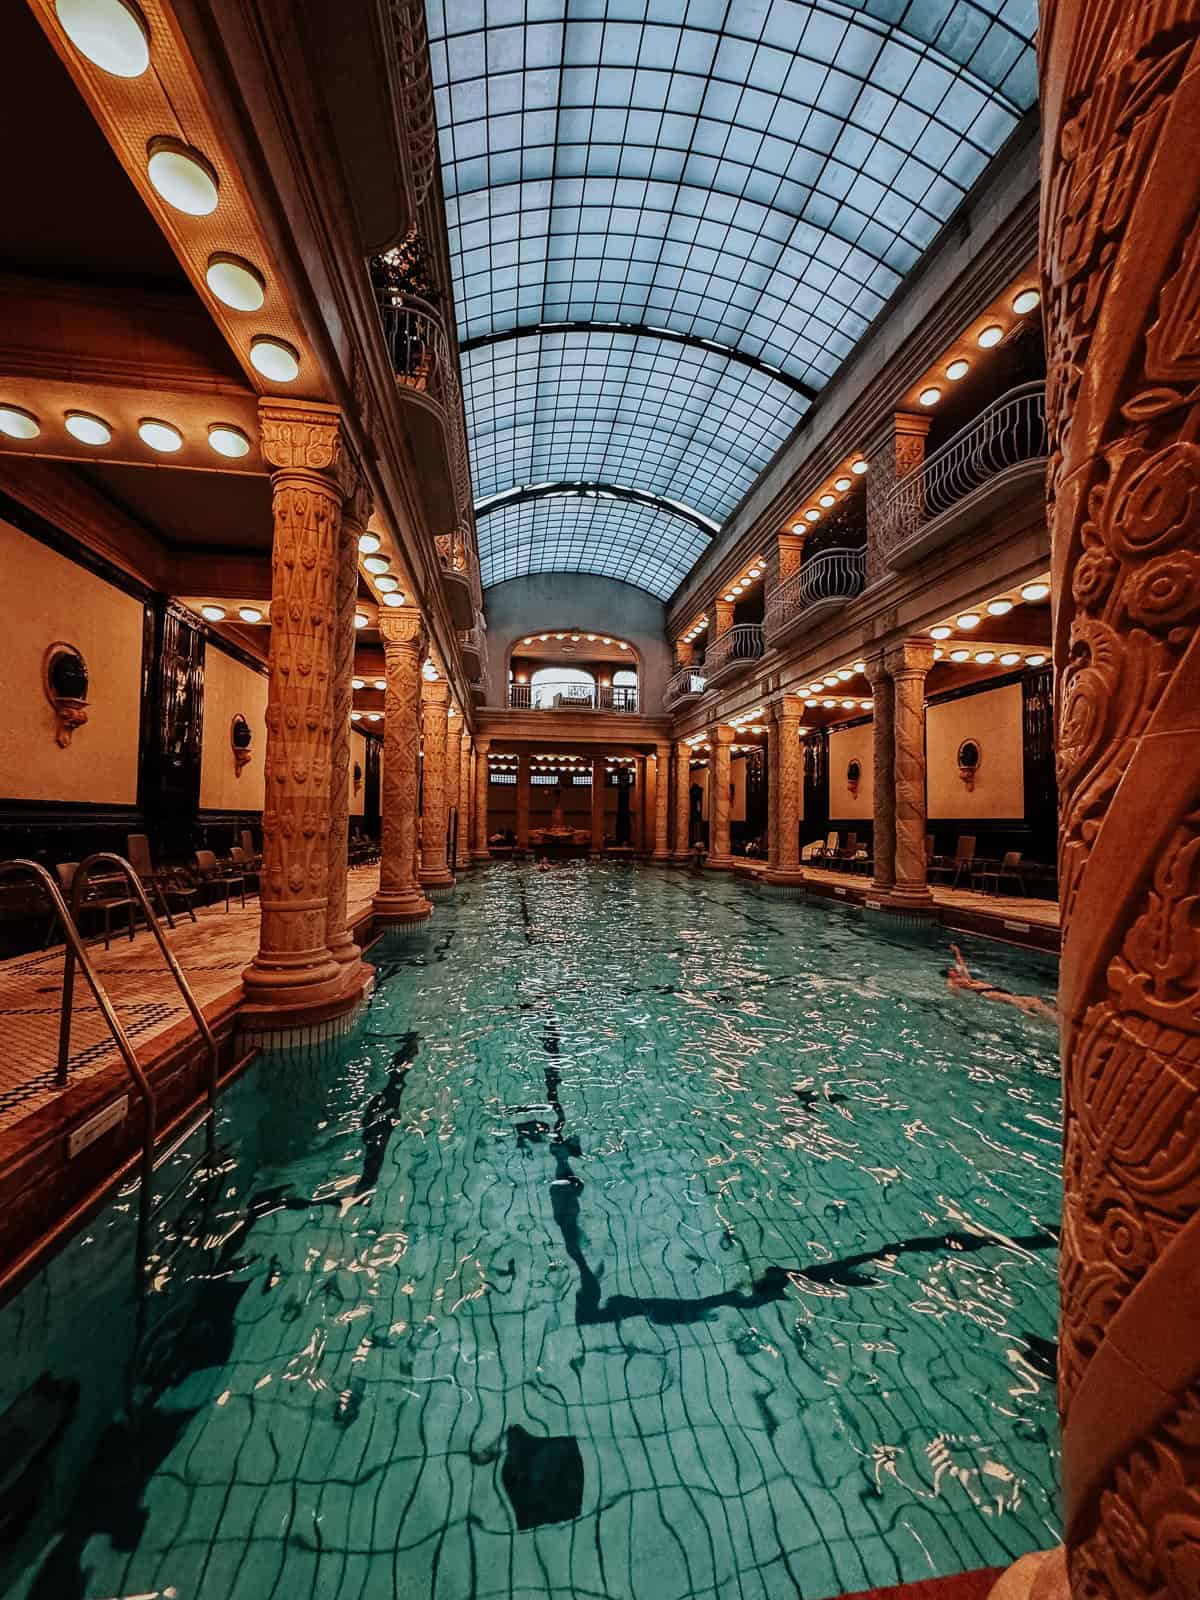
(562, 686)
(624, 689)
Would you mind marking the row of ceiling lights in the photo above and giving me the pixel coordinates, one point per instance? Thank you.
(1025, 301)
(370, 548)
(696, 629)
(163, 437)
(591, 638)
(999, 607)
(112, 35)
(749, 577)
(842, 485)
(212, 612)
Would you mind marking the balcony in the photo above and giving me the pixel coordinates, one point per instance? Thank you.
(732, 651)
(685, 686)
(479, 683)
(459, 577)
(471, 642)
(828, 580)
(995, 459)
(549, 696)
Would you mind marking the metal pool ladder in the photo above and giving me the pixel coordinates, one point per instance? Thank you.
(75, 951)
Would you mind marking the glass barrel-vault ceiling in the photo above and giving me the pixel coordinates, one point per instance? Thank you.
(740, 184)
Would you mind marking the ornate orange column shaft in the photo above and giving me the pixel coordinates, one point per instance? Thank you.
(462, 859)
(356, 509)
(785, 760)
(599, 773)
(293, 971)
(883, 732)
(683, 798)
(907, 664)
(435, 706)
(719, 858)
(523, 776)
(400, 899)
(479, 844)
(1121, 292)
(772, 796)
(454, 793)
(662, 803)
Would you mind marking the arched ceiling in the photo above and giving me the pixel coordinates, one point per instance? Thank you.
(741, 184)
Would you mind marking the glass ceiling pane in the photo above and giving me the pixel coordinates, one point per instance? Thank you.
(762, 175)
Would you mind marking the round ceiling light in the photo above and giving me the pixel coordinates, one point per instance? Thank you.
(865, 705)
(376, 563)
(960, 655)
(827, 500)
(374, 716)
(841, 484)
(213, 613)
(957, 370)
(182, 177)
(381, 683)
(969, 619)
(228, 441)
(368, 543)
(357, 683)
(235, 283)
(1035, 591)
(1010, 658)
(1026, 301)
(161, 436)
(844, 674)
(275, 360)
(999, 608)
(859, 468)
(938, 654)
(990, 336)
(831, 679)
(18, 423)
(940, 632)
(930, 396)
(396, 599)
(110, 33)
(356, 716)
(82, 425)
(730, 597)
(1037, 660)
(860, 666)
(624, 646)
(250, 614)
(360, 621)
(812, 515)
(985, 657)
(385, 583)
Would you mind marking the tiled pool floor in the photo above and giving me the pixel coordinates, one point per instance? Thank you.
(651, 1240)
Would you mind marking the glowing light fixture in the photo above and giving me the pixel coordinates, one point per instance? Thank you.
(235, 283)
(374, 716)
(1026, 301)
(82, 425)
(841, 484)
(827, 500)
(958, 369)
(816, 687)
(275, 360)
(985, 657)
(356, 716)
(110, 33)
(161, 436)
(865, 705)
(228, 441)
(182, 177)
(999, 608)
(829, 704)
(357, 683)
(213, 613)
(1037, 660)
(591, 639)
(368, 543)
(624, 646)
(930, 396)
(1010, 658)
(360, 621)
(377, 563)
(381, 683)
(18, 423)
(830, 680)
(860, 666)
(960, 655)
(396, 599)
(756, 572)
(812, 515)
(859, 468)
(250, 614)
(604, 640)
(938, 654)
(940, 632)
(849, 705)
(1035, 591)
(730, 597)
(385, 583)
(968, 619)
(990, 336)
(844, 674)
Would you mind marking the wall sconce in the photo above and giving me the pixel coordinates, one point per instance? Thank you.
(65, 680)
(969, 757)
(853, 778)
(358, 777)
(241, 737)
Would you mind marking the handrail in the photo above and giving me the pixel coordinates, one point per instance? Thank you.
(75, 951)
(743, 642)
(684, 682)
(838, 573)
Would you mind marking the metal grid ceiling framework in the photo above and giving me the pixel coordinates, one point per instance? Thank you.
(757, 173)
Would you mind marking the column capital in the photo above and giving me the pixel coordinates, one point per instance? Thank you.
(299, 435)
(401, 625)
(877, 669)
(912, 659)
(483, 744)
(790, 545)
(721, 733)
(787, 708)
(357, 499)
(435, 692)
(722, 617)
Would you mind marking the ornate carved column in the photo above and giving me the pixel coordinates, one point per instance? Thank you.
(400, 900)
(892, 454)
(907, 664)
(294, 972)
(787, 711)
(599, 772)
(435, 704)
(479, 846)
(454, 791)
(683, 798)
(523, 776)
(883, 729)
(1121, 281)
(719, 859)
(772, 795)
(791, 554)
(685, 650)
(662, 803)
(722, 617)
(356, 509)
(462, 859)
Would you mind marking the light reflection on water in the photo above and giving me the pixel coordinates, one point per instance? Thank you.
(650, 1238)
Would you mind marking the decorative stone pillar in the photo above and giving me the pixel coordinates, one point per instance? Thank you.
(435, 705)
(356, 509)
(662, 803)
(523, 777)
(683, 798)
(898, 450)
(599, 772)
(1120, 99)
(786, 875)
(454, 789)
(479, 846)
(685, 651)
(883, 726)
(791, 554)
(723, 617)
(399, 899)
(907, 665)
(462, 859)
(294, 976)
(719, 857)
(772, 795)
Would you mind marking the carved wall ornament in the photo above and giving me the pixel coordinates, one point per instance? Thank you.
(65, 680)
(241, 737)
(969, 757)
(358, 777)
(853, 778)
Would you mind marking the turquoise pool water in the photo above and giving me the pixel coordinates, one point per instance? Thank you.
(650, 1239)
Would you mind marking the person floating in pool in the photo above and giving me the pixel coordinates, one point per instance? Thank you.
(543, 865)
(959, 980)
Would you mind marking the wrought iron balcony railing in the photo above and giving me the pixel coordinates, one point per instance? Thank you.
(553, 696)
(420, 351)
(415, 93)
(686, 684)
(1009, 433)
(831, 577)
(742, 643)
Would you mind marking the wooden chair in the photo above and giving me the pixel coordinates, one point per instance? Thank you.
(214, 873)
(246, 864)
(848, 851)
(1009, 867)
(103, 896)
(252, 855)
(161, 885)
(963, 860)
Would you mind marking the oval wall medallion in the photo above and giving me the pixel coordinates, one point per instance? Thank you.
(853, 778)
(241, 737)
(969, 757)
(65, 680)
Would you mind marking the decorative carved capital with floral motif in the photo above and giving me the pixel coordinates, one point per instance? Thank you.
(299, 436)
(912, 659)
(401, 625)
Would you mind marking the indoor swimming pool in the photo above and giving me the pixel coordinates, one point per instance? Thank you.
(649, 1238)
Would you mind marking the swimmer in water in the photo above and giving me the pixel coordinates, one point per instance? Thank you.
(959, 980)
(543, 865)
